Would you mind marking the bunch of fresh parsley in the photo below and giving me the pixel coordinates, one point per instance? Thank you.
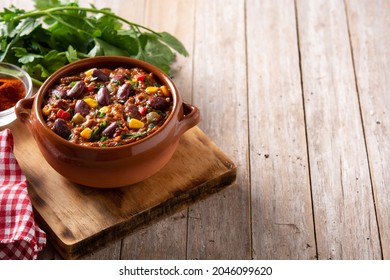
(56, 33)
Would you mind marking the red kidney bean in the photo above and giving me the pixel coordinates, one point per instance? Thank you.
(81, 107)
(158, 103)
(118, 77)
(132, 111)
(61, 128)
(103, 97)
(123, 91)
(100, 75)
(76, 90)
(110, 130)
(59, 93)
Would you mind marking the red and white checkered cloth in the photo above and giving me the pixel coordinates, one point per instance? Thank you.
(20, 236)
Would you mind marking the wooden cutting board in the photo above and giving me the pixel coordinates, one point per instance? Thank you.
(79, 219)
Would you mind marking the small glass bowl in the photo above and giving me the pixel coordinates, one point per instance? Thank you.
(6, 70)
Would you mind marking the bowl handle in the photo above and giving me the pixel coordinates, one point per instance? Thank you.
(23, 109)
(190, 118)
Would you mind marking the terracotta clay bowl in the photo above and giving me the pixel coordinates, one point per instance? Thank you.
(108, 167)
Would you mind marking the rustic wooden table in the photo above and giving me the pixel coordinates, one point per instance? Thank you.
(297, 94)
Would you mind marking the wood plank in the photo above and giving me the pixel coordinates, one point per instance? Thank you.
(132, 10)
(111, 251)
(369, 28)
(163, 240)
(219, 227)
(167, 239)
(345, 221)
(282, 223)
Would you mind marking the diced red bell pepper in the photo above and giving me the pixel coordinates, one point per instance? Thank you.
(140, 77)
(91, 86)
(63, 114)
(142, 110)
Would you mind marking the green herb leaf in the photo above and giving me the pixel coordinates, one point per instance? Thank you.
(104, 48)
(173, 43)
(57, 33)
(71, 54)
(45, 4)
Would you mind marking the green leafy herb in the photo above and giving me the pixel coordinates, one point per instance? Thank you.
(133, 135)
(57, 33)
(97, 130)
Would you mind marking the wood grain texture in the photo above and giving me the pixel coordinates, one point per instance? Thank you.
(80, 219)
(219, 228)
(132, 10)
(297, 94)
(282, 222)
(164, 240)
(342, 195)
(369, 24)
(167, 239)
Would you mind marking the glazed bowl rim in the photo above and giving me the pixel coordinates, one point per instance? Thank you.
(81, 64)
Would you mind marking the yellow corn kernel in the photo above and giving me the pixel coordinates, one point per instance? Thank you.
(134, 123)
(89, 72)
(86, 133)
(46, 111)
(78, 118)
(165, 91)
(133, 82)
(91, 102)
(151, 89)
(104, 109)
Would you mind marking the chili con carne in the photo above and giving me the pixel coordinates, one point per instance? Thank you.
(107, 107)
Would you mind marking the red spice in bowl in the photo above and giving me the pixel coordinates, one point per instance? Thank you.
(15, 84)
(11, 91)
